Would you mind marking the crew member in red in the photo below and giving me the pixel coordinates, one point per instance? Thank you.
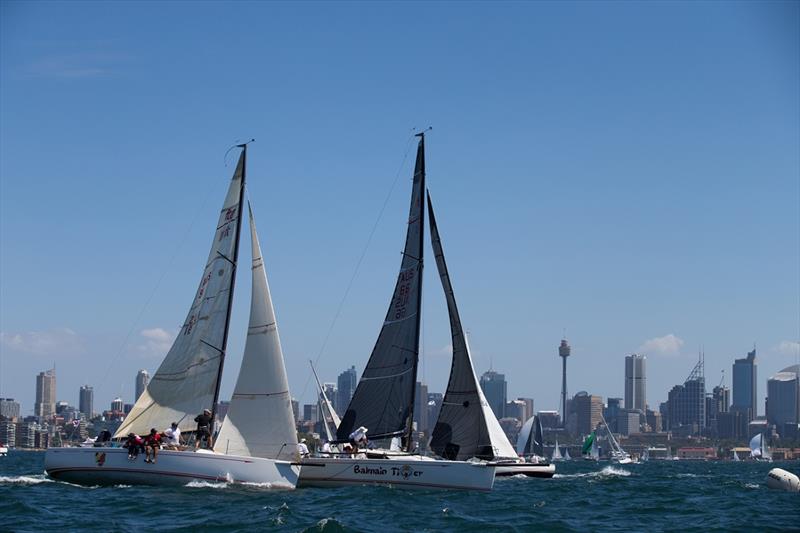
(152, 443)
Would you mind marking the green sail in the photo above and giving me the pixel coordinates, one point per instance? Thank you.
(587, 444)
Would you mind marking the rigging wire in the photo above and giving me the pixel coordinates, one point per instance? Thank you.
(358, 263)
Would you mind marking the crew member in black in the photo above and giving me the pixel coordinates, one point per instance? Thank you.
(204, 421)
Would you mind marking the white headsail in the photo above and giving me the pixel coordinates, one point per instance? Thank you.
(188, 379)
(260, 421)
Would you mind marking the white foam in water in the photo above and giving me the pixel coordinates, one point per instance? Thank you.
(207, 485)
(752, 486)
(26, 480)
(608, 471)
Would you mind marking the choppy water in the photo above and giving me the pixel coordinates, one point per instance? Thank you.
(656, 496)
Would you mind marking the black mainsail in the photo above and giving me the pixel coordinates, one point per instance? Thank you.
(466, 426)
(383, 401)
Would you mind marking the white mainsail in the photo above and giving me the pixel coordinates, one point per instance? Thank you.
(525, 436)
(566, 455)
(260, 421)
(188, 379)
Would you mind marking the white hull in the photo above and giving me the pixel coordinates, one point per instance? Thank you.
(409, 472)
(98, 466)
(3, 451)
(526, 469)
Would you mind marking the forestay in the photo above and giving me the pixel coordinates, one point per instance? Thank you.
(187, 380)
(260, 421)
(384, 398)
(466, 426)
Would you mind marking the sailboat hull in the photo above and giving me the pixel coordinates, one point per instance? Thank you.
(409, 472)
(525, 469)
(109, 466)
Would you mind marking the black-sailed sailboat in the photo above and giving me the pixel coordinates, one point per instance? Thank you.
(383, 402)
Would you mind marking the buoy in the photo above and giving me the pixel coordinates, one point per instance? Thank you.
(778, 478)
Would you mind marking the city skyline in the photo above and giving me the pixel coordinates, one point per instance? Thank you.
(642, 198)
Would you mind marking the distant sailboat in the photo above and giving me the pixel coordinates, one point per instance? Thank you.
(736, 456)
(618, 455)
(556, 454)
(257, 441)
(590, 450)
(759, 449)
(566, 454)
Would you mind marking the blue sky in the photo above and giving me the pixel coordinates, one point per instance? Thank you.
(627, 172)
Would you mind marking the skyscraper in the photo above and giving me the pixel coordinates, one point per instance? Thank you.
(686, 404)
(588, 412)
(421, 407)
(142, 379)
(563, 353)
(783, 401)
(494, 388)
(9, 409)
(45, 405)
(745, 387)
(117, 405)
(86, 401)
(346, 386)
(635, 382)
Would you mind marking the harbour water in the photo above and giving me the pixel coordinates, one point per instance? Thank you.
(584, 496)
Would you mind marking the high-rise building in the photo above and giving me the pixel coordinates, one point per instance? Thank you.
(494, 388)
(745, 385)
(588, 412)
(686, 404)
(529, 410)
(783, 401)
(118, 405)
(9, 409)
(86, 401)
(612, 411)
(434, 404)
(310, 412)
(636, 382)
(563, 352)
(421, 407)
(8, 433)
(516, 409)
(142, 379)
(346, 386)
(45, 405)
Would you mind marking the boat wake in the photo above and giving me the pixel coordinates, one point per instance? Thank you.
(26, 480)
(606, 472)
(207, 485)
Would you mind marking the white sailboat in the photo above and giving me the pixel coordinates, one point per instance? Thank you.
(257, 441)
(467, 427)
(556, 454)
(383, 401)
(736, 457)
(759, 449)
(566, 455)
(617, 455)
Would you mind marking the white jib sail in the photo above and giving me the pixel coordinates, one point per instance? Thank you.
(260, 421)
(186, 381)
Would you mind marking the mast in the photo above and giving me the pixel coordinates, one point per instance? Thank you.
(234, 263)
(410, 430)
